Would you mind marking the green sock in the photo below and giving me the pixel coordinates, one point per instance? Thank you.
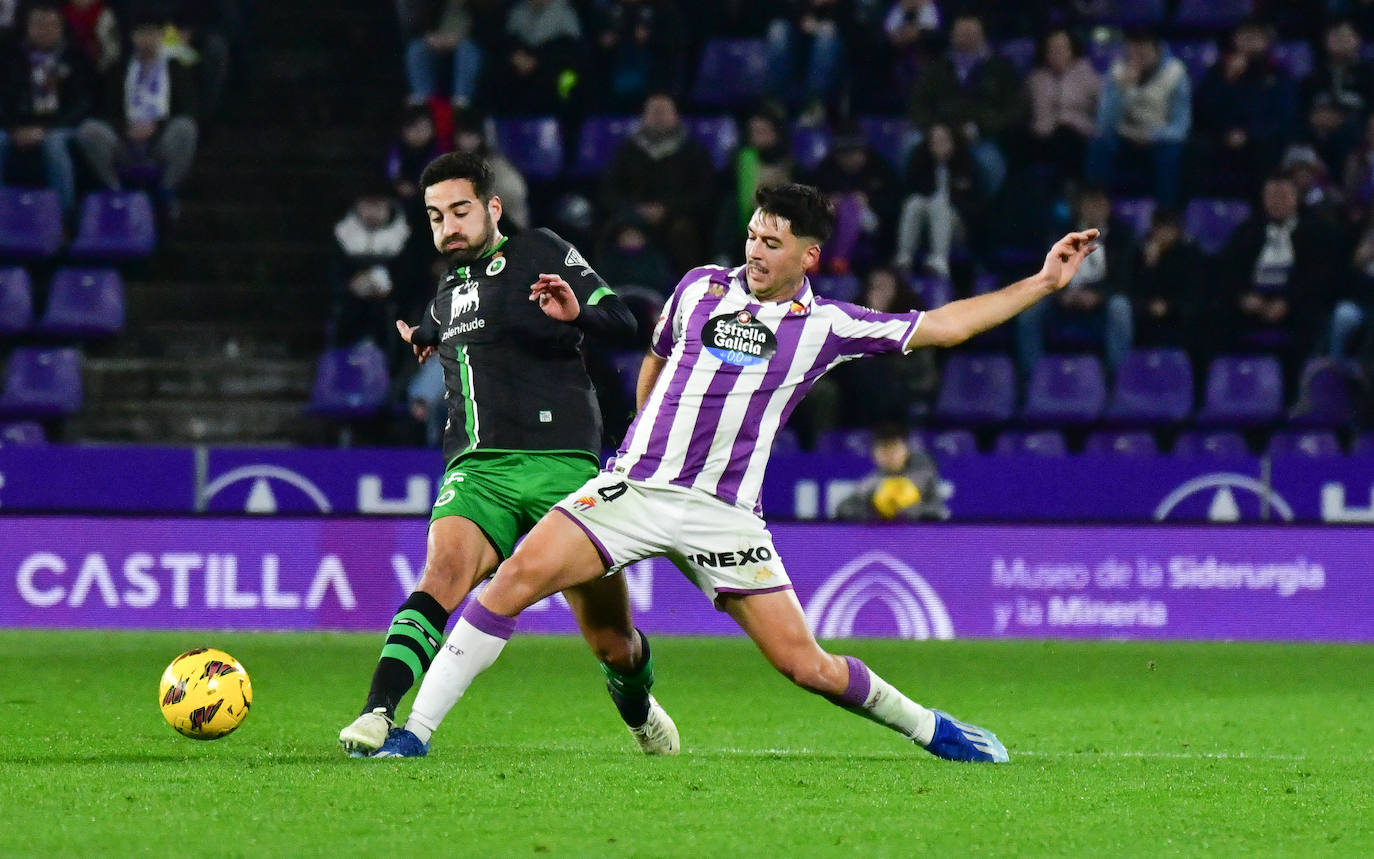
(630, 692)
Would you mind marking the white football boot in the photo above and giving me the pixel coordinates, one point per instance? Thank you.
(658, 734)
(366, 734)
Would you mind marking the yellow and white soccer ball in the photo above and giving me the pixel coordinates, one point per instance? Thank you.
(205, 694)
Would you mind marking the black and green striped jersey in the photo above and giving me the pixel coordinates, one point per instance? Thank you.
(515, 378)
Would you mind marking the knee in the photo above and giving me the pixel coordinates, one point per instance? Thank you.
(614, 647)
(814, 672)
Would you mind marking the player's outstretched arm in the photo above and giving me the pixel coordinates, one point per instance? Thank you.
(959, 320)
(420, 343)
(648, 377)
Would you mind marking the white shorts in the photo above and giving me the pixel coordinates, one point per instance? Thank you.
(722, 549)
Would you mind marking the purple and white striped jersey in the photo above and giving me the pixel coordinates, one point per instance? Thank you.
(736, 369)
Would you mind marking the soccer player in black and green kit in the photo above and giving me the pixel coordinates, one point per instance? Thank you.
(523, 431)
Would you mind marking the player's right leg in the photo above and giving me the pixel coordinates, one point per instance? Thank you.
(776, 623)
(556, 555)
(458, 555)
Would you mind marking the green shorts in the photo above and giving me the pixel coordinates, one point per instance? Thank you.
(504, 494)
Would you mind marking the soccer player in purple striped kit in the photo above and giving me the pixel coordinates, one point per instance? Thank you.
(733, 353)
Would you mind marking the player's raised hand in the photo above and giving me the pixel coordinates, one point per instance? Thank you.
(555, 298)
(407, 332)
(1063, 260)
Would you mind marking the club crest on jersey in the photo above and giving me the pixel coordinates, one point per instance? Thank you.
(464, 299)
(496, 266)
(739, 339)
(715, 290)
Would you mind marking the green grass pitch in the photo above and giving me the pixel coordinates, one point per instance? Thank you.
(1117, 749)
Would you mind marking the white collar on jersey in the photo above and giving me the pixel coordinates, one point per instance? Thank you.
(801, 302)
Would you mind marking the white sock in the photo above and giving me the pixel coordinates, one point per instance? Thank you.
(874, 698)
(472, 648)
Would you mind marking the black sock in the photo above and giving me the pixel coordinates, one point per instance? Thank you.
(416, 632)
(630, 692)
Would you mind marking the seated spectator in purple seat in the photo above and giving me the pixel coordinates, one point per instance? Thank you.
(442, 35)
(945, 197)
(1357, 177)
(372, 277)
(806, 50)
(905, 485)
(866, 195)
(1343, 78)
(1166, 291)
(1318, 192)
(1275, 278)
(416, 146)
(626, 257)
(885, 388)
(46, 89)
(471, 135)
(1063, 91)
(640, 48)
(906, 26)
(1244, 114)
(975, 92)
(1095, 306)
(92, 26)
(1350, 331)
(1145, 113)
(542, 59)
(765, 158)
(664, 176)
(148, 118)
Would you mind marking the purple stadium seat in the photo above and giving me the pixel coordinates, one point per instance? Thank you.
(1021, 52)
(30, 223)
(1242, 391)
(115, 225)
(22, 434)
(977, 389)
(1043, 443)
(1198, 56)
(534, 145)
(1212, 14)
(959, 442)
(598, 141)
(1218, 445)
(42, 383)
(1310, 445)
(933, 291)
(1066, 389)
(719, 134)
(1136, 211)
(1121, 444)
(1153, 386)
(16, 301)
(1325, 395)
(85, 302)
(732, 72)
(1210, 222)
(858, 442)
(841, 287)
(350, 382)
(1295, 57)
(890, 137)
(1364, 445)
(810, 145)
(1102, 53)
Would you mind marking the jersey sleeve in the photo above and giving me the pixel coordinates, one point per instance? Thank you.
(568, 262)
(862, 332)
(669, 326)
(428, 332)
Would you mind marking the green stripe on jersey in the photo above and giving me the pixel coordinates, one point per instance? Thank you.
(595, 297)
(470, 423)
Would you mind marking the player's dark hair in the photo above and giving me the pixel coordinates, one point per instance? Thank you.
(460, 165)
(891, 431)
(809, 212)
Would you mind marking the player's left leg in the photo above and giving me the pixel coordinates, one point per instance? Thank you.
(602, 609)
(776, 623)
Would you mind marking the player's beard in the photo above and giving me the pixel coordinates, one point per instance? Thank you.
(476, 247)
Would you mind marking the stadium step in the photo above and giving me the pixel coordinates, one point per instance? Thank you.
(214, 378)
(189, 421)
